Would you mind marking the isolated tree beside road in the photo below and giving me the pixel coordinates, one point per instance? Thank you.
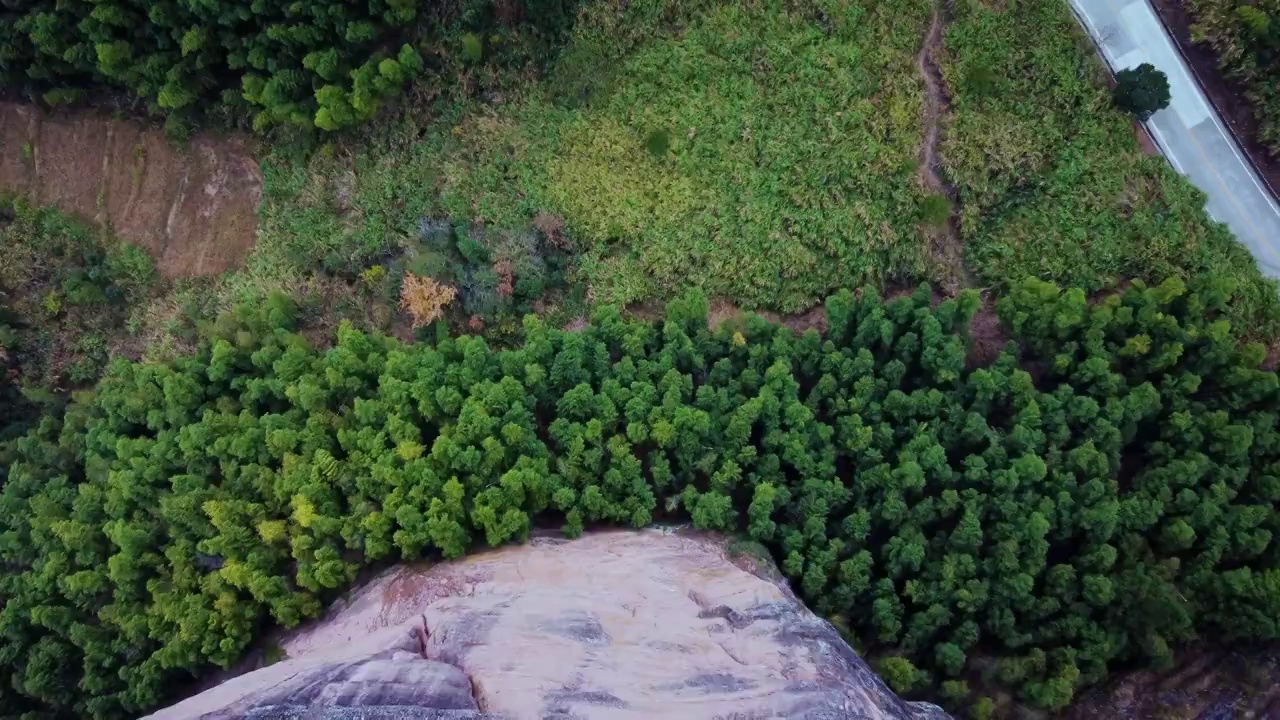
(1141, 91)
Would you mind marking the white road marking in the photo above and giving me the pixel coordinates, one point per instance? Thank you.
(1164, 149)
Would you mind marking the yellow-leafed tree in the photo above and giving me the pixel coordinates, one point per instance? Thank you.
(424, 298)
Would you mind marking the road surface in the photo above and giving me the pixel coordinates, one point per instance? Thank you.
(1189, 131)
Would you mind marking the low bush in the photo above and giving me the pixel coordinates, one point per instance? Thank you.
(1102, 492)
(63, 292)
(934, 210)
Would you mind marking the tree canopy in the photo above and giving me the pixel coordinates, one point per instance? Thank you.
(325, 64)
(1141, 91)
(1101, 492)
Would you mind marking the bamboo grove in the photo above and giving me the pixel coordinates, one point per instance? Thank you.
(1101, 493)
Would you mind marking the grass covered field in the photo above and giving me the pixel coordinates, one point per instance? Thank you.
(1051, 180)
(767, 152)
(759, 152)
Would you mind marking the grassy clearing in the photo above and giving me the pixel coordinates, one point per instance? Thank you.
(791, 165)
(765, 152)
(1052, 182)
(786, 165)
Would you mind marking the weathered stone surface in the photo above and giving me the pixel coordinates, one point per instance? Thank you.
(613, 626)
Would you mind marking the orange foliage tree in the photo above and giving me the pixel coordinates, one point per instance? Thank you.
(424, 298)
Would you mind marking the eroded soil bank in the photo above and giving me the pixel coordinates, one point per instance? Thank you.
(194, 209)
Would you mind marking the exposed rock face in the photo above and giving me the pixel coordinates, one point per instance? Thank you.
(613, 626)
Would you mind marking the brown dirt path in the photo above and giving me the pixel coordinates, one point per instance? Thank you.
(194, 210)
(948, 248)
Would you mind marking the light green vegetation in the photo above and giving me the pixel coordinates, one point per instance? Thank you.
(767, 153)
(1052, 182)
(65, 294)
(788, 166)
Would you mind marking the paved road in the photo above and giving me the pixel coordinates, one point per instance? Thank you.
(1189, 132)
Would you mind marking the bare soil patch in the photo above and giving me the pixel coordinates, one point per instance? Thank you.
(1272, 358)
(1228, 98)
(948, 248)
(986, 336)
(722, 311)
(194, 210)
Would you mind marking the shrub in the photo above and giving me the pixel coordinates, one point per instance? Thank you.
(980, 81)
(1141, 91)
(372, 277)
(497, 273)
(52, 303)
(658, 143)
(91, 357)
(899, 674)
(177, 129)
(131, 269)
(424, 298)
(955, 691)
(472, 48)
(62, 96)
(984, 708)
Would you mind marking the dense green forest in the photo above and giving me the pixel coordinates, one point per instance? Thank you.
(1246, 38)
(324, 64)
(1101, 493)
(186, 463)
